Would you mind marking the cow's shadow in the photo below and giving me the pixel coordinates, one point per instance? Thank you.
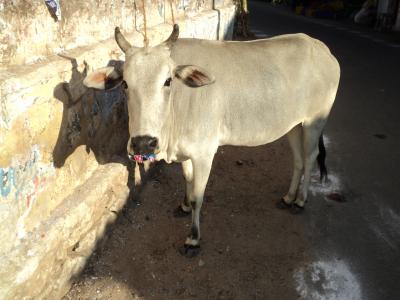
(96, 119)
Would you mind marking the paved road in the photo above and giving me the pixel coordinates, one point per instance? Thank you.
(356, 244)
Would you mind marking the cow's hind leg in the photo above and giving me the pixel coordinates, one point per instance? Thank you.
(201, 172)
(311, 134)
(295, 138)
(184, 209)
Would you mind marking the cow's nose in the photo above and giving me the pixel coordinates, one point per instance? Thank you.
(144, 144)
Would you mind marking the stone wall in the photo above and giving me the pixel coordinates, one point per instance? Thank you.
(28, 33)
(63, 171)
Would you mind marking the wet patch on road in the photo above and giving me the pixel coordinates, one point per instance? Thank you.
(327, 280)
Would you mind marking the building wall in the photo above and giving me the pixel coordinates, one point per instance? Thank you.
(63, 171)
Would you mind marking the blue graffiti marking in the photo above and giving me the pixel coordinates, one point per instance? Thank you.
(7, 180)
(12, 177)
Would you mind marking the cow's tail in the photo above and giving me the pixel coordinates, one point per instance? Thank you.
(321, 159)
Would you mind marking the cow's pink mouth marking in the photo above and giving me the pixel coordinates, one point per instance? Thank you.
(141, 158)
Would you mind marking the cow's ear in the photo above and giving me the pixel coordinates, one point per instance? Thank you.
(103, 79)
(193, 76)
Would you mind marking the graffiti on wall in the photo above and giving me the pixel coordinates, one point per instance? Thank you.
(23, 180)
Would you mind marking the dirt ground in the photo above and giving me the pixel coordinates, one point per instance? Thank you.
(250, 249)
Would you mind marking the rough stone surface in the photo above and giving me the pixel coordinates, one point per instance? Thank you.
(82, 23)
(61, 172)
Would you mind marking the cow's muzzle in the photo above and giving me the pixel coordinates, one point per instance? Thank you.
(142, 148)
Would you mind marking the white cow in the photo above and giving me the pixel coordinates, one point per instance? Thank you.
(187, 97)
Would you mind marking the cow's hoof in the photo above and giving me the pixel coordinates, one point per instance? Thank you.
(189, 251)
(296, 209)
(282, 204)
(180, 213)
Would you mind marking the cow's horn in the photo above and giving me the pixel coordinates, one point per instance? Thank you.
(121, 40)
(174, 35)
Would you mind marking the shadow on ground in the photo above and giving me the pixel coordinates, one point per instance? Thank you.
(250, 249)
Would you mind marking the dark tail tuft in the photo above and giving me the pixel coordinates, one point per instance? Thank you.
(321, 159)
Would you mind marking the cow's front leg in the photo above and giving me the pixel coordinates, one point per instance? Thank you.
(201, 172)
(184, 209)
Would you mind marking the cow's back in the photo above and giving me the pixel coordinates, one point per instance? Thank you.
(262, 88)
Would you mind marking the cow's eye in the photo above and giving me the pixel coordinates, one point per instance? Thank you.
(168, 82)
